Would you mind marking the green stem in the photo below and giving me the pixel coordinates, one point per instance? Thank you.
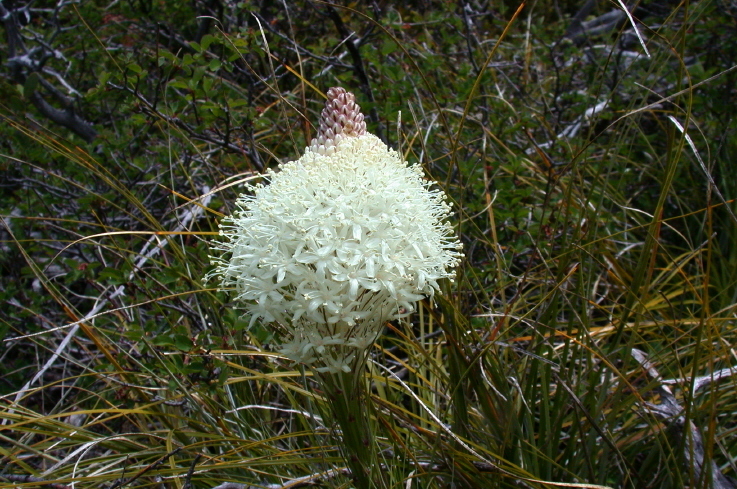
(349, 403)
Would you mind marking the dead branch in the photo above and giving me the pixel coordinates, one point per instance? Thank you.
(25, 62)
(671, 413)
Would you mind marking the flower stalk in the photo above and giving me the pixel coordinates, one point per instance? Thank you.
(349, 405)
(339, 242)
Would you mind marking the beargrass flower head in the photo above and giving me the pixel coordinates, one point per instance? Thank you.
(340, 241)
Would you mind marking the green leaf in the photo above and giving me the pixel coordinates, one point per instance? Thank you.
(103, 78)
(388, 48)
(178, 83)
(238, 102)
(207, 86)
(30, 85)
(162, 340)
(182, 342)
(196, 77)
(113, 276)
(207, 40)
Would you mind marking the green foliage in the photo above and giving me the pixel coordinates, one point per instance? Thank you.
(588, 233)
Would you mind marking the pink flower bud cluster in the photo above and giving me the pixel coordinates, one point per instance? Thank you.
(340, 118)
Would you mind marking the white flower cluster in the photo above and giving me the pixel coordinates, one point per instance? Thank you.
(339, 242)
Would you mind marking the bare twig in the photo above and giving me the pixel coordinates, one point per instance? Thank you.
(308, 480)
(332, 61)
(146, 469)
(21, 479)
(189, 130)
(671, 412)
(190, 472)
(705, 380)
(66, 117)
(25, 62)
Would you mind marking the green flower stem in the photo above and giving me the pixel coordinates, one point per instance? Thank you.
(349, 402)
